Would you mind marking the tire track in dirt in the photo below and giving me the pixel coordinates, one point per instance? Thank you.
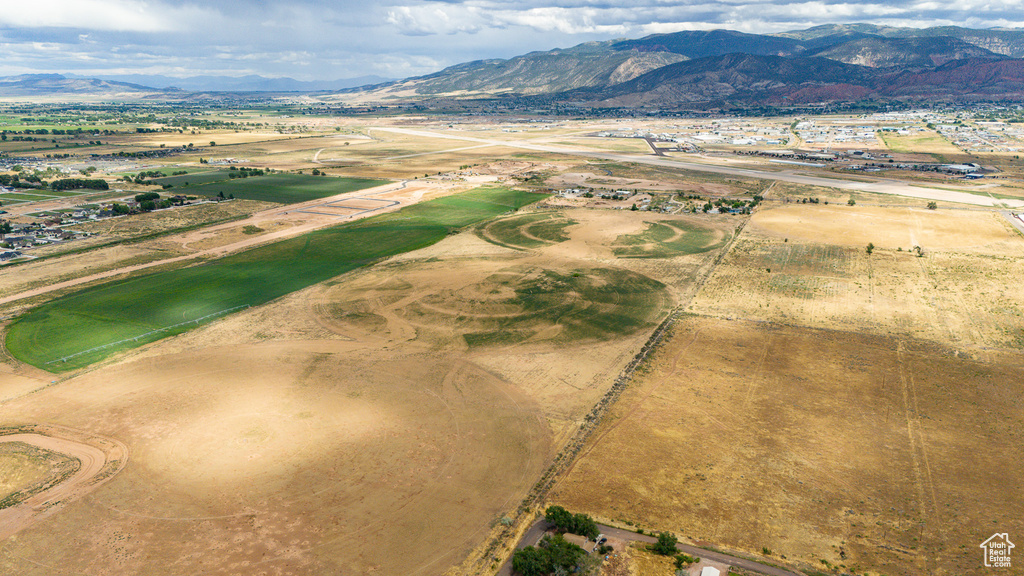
(918, 453)
(100, 458)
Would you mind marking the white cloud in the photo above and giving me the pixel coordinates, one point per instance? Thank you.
(117, 15)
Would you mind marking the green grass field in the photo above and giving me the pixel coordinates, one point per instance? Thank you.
(280, 188)
(665, 240)
(87, 326)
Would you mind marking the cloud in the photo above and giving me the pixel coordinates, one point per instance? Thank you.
(317, 39)
(119, 15)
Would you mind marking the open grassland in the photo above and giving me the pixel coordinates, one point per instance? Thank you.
(280, 188)
(931, 143)
(319, 433)
(808, 265)
(546, 305)
(527, 230)
(875, 455)
(181, 218)
(90, 325)
(668, 238)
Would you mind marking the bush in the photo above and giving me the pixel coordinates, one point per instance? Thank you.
(683, 560)
(146, 196)
(666, 544)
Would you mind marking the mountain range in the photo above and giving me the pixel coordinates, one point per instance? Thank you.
(683, 69)
(725, 67)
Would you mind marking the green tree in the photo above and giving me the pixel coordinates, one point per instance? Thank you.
(666, 544)
(584, 526)
(851, 202)
(530, 561)
(932, 205)
(870, 248)
(560, 517)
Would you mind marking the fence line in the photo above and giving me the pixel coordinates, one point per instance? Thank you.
(136, 338)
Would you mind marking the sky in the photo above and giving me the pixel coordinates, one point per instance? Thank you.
(332, 39)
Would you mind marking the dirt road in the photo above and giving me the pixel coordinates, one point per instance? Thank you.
(880, 186)
(99, 463)
(541, 526)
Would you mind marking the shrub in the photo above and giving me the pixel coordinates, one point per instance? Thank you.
(666, 544)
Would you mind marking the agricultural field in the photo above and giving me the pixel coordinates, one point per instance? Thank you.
(829, 448)
(279, 188)
(87, 326)
(320, 431)
(808, 264)
(665, 239)
(839, 391)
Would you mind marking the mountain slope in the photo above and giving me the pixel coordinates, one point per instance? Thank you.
(917, 52)
(590, 64)
(701, 44)
(732, 77)
(1008, 42)
(744, 79)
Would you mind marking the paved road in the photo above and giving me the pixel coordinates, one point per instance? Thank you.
(1015, 220)
(880, 186)
(537, 530)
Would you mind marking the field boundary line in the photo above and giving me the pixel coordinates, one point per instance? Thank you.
(151, 332)
(565, 459)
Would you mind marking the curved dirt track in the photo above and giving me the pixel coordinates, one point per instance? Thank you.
(101, 459)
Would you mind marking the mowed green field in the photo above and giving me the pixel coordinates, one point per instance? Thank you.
(280, 188)
(82, 328)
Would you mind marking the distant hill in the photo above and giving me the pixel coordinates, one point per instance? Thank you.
(250, 83)
(52, 84)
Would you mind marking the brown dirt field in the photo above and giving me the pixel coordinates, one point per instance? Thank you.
(321, 432)
(965, 292)
(884, 455)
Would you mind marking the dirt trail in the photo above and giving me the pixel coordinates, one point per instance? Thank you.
(100, 462)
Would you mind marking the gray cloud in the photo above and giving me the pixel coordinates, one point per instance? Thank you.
(311, 39)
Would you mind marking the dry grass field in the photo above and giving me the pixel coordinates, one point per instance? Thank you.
(854, 412)
(376, 412)
(877, 455)
(808, 265)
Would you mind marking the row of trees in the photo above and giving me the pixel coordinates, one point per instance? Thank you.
(77, 183)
